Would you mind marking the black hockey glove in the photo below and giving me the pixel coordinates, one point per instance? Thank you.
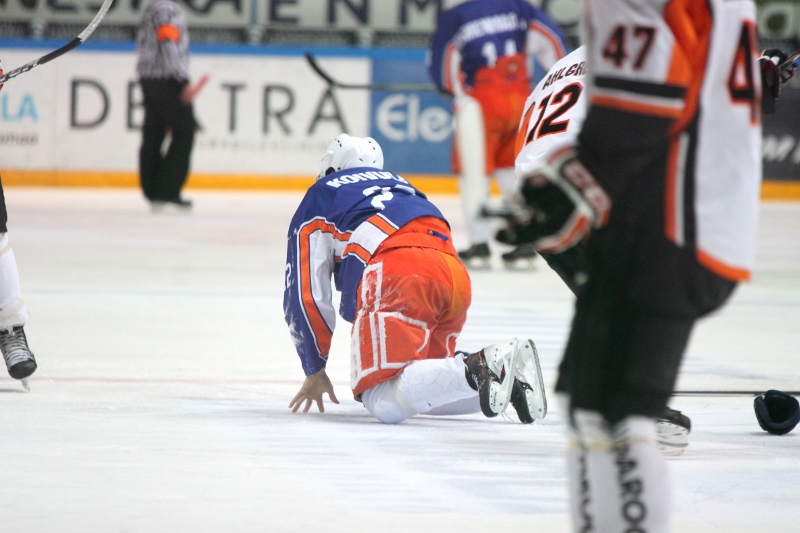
(775, 71)
(563, 203)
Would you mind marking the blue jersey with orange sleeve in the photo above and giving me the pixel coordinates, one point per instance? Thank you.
(338, 226)
(478, 33)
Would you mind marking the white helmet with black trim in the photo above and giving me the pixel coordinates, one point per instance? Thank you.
(350, 152)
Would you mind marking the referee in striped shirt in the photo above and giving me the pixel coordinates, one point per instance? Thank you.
(163, 70)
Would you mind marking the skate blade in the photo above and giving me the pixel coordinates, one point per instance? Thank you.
(520, 265)
(25, 384)
(500, 392)
(530, 371)
(167, 208)
(478, 263)
(671, 439)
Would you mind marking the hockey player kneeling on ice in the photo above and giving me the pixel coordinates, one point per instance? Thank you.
(390, 254)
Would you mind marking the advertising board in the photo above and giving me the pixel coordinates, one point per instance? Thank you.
(266, 114)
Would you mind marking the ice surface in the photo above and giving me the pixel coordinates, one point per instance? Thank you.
(166, 369)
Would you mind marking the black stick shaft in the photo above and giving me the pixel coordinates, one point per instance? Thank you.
(74, 43)
(312, 62)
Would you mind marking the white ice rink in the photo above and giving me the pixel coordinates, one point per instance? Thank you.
(160, 403)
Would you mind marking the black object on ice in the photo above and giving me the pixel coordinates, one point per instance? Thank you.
(777, 412)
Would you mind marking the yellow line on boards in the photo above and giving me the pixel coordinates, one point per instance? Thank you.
(780, 190)
(432, 184)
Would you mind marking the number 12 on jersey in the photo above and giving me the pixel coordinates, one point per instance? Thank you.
(551, 112)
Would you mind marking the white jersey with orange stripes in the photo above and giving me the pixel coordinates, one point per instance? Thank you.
(554, 114)
(694, 62)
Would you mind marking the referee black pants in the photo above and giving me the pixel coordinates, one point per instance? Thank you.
(161, 175)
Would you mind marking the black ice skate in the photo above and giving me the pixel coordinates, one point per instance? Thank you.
(492, 372)
(520, 258)
(476, 257)
(19, 359)
(179, 204)
(527, 394)
(672, 432)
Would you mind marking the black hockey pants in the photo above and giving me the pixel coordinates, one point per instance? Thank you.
(643, 294)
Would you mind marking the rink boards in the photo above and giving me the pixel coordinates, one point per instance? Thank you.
(265, 118)
(262, 113)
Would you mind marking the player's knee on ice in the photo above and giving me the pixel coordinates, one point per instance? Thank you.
(423, 386)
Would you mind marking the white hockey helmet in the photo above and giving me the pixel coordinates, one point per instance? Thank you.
(350, 152)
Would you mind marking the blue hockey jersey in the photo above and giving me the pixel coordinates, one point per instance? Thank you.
(338, 226)
(476, 33)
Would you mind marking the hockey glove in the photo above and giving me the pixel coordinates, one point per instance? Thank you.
(1, 73)
(775, 71)
(563, 203)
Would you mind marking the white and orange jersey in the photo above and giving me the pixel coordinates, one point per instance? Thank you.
(695, 64)
(554, 114)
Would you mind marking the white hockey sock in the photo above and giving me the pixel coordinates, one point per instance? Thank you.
(474, 193)
(422, 386)
(643, 476)
(577, 479)
(12, 309)
(467, 406)
(619, 481)
(473, 183)
(507, 181)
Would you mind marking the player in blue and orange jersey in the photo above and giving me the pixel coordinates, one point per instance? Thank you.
(481, 53)
(390, 254)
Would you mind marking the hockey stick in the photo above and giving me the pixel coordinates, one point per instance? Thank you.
(74, 43)
(197, 87)
(789, 60)
(728, 392)
(369, 86)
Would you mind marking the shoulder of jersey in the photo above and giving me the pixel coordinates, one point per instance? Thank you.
(576, 56)
(363, 175)
(567, 69)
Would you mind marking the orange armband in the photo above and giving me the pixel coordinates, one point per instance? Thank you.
(168, 32)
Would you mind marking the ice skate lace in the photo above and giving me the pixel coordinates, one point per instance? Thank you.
(15, 348)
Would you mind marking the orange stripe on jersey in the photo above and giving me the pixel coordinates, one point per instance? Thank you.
(319, 327)
(636, 107)
(579, 228)
(690, 22)
(168, 32)
(381, 224)
(357, 249)
(448, 60)
(523, 130)
(542, 29)
(721, 269)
